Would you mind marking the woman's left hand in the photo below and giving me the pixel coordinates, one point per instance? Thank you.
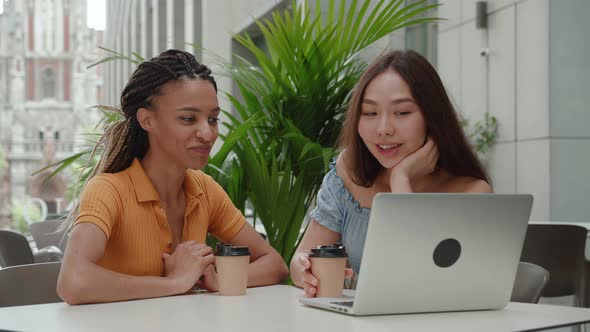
(209, 280)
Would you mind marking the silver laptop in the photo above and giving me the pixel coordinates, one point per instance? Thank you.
(437, 252)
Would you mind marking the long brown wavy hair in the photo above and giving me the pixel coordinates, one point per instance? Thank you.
(456, 154)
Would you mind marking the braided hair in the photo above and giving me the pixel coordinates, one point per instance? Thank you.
(125, 140)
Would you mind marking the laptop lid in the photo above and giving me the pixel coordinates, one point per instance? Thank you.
(441, 252)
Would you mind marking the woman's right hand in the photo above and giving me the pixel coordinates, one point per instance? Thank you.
(417, 164)
(186, 264)
(310, 282)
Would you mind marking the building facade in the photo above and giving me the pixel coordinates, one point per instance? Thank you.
(529, 68)
(45, 93)
(149, 27)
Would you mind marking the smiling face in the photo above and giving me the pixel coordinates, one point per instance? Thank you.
(182, 122)
(391, 124)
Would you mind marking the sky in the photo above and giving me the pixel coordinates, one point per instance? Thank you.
(96, 14)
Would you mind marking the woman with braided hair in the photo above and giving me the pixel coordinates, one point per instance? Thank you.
(140, 226)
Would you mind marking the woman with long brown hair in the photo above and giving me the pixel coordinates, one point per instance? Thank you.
(401, 135)
(140, 227)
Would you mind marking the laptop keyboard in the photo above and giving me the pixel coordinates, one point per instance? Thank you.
(344, 303)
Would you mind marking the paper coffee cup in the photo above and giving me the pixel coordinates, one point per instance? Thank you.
(231, 263)
(327, 265)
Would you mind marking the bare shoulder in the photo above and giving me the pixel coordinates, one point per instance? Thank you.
(468, 184)
(364, 196)
(340, 167)
(343, 171)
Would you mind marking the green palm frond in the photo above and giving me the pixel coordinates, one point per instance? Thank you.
(134, 58)
(298, 88)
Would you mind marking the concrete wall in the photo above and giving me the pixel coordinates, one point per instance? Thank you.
(535, 81)
(569, 113)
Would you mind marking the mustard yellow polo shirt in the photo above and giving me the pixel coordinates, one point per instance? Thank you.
(127, 208)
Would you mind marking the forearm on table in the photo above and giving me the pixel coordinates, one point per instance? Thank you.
(90, 283)
(267, 269)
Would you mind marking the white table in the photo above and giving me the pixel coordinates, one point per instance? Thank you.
(274, 308)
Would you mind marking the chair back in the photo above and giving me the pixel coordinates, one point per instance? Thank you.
(14, 249)
(530, 281)
(47, 234)
(29, 284)
(560, 250)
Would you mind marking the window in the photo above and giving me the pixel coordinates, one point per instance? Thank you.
(178, 25)
(48, 82)
(149, 37)
(161, 44)
(422, 38)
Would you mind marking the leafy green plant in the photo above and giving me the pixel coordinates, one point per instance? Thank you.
(82, 163)
(295, 95)
(20, 210)
(292, 101)
(482, 134)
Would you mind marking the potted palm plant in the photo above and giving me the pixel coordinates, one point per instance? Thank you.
(293, 98)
